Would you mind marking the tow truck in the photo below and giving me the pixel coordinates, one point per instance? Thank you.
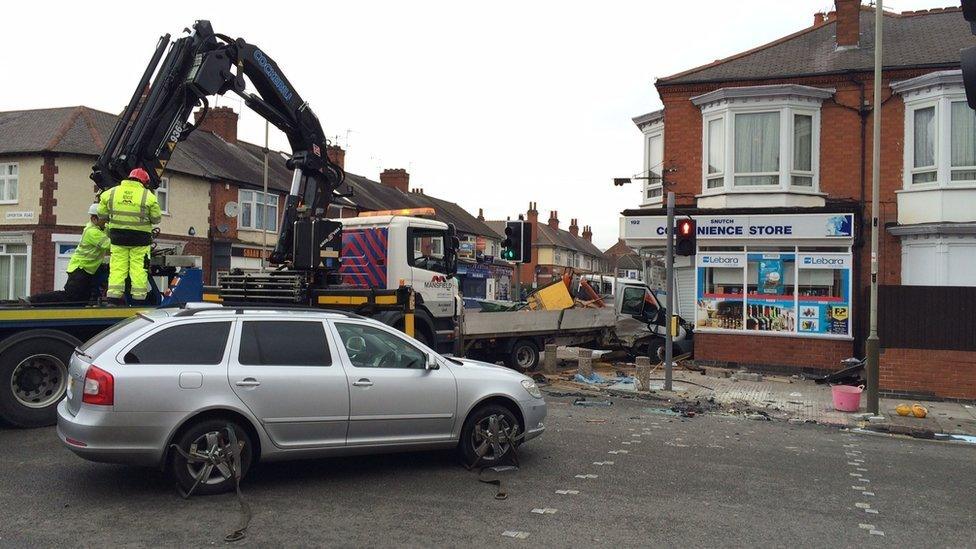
(179, 78)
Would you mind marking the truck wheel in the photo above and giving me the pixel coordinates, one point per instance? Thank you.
(524, 356)
(33, 378)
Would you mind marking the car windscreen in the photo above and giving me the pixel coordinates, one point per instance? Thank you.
(112, 335)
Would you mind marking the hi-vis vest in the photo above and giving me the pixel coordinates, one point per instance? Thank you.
(129, 206)
(90, 251)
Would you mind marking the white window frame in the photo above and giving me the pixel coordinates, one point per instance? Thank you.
(6, 179)
(786, 99)
(254, 206)
(939, 90)
(4, 242)
(653, 189)
(652, 192)
(164, 190)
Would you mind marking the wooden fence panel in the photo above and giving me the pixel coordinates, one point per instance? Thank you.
(927, 317)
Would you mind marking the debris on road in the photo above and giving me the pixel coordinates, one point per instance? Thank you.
(582, 401)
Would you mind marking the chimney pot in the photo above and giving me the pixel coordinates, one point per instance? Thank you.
(554, 219)
(819, 18)
(574, 227)
(219, 120)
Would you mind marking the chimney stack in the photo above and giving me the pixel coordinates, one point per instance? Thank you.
(554, 219)
(532, 215)
(336, 155)
(219, 120)
(573, 227)
(481, 214)
(819, 18)
(396, 178)
(588, 233)
(848, 32)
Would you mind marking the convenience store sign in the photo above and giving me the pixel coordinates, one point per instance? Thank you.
(720, 227)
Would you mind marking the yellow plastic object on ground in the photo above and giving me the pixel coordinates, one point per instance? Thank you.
(903, 409)
(919, 411)
(553, 297)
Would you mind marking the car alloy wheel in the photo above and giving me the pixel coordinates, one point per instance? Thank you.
(492, 437)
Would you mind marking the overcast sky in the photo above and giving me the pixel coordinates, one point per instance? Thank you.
(490, 105)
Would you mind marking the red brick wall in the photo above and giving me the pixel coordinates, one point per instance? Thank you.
(221, 194)
(943, 374)
(771, 352)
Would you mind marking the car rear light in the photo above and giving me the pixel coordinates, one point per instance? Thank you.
(99, 387)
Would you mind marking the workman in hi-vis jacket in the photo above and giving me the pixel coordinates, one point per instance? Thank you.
(83, 278)
(131, 210)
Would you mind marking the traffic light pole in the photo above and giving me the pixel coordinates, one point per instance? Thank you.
(669, 296)
(516, 289)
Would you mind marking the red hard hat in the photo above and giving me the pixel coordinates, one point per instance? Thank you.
(140, 174)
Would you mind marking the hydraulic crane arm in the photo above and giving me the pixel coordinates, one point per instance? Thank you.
(202, 64)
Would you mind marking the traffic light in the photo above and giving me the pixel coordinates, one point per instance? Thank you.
(968, 55)
(684, 237)
(517, 246)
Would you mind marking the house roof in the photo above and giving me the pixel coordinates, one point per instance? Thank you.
(555, 237)
(619, 249)
(630, 262)
(82, 131)
(919, 39)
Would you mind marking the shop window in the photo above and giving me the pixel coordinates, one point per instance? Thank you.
(770, 287)
(720, 295)
(823, 288)
(13, 271)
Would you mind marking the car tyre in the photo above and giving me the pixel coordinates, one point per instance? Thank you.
(33, 379)
(524, 356)
(220, 481)
(473, 435)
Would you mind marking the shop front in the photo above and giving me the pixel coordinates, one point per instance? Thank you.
(770, 290)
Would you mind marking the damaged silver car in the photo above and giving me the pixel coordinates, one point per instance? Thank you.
(206, 392)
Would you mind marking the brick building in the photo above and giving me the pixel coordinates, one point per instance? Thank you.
(211, 195)
(556, 251)
(770, 151)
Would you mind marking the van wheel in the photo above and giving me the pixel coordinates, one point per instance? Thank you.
(33, 379)
(485, 435)
(524, 356)
(204, 440)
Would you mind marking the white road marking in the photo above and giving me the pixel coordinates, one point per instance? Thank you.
(865, 526)
(867, 493)
(859, 487)
(862, 505)
(855, 474)
(586, 476)
(515, 534)
(544, 511)
(567, 492)
(872, 511)
(877, 533)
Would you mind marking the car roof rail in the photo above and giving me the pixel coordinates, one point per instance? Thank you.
(191, 309)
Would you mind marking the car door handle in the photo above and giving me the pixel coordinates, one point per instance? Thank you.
(363, 383)
(248, 382)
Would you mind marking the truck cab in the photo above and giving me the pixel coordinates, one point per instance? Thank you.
(389, 251)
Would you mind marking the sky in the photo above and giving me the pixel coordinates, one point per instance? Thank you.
(487, 104)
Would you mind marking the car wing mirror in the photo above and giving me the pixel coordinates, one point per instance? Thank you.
(432, 363)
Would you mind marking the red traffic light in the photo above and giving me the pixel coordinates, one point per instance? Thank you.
(685, 227)
(685, 237)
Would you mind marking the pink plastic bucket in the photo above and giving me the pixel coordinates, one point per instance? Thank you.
(846, 398)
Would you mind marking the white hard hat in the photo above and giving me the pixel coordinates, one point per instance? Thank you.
(93, 209)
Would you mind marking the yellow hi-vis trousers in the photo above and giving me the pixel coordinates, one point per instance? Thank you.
(128, 261)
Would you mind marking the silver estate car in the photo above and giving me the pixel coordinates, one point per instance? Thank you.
(168, 385)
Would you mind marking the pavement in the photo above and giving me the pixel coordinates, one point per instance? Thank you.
(625, 475)
(784, 397)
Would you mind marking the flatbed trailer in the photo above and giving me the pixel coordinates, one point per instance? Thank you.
(517, 337)
(36, 342)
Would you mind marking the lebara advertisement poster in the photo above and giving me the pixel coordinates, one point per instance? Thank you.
(830, 311)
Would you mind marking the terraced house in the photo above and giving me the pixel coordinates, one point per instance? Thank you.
(212, 196)
(770, 151)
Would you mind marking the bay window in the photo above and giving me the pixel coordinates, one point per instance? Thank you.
(655, 170)
(761, 139)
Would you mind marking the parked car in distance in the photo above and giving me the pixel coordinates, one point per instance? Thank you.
(290, 383)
